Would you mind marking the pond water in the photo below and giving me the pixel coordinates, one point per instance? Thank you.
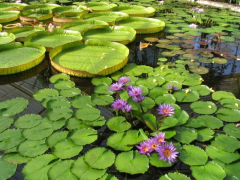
(199, 49)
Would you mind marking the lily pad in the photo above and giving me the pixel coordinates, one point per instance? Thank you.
(84, 25)
(228, 115)
(136, 10)
(7, 169)
(185, 135)
(132, 162)
(55, 38)
(6, 37)
(63, 84)
(10, 138)
(230, 103)
(8, 16)
(154, 160)
(39, 14)
(5, 122)
(174, 176)
(118, 124)
(44, 93)
(70, 10)
(203, 107)
(232, 130)
(17, 58)
(108, 58)
(120, 34)
(139, 24)
(55, 114)
(100, 6)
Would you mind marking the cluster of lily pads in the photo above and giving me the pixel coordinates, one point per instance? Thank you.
(75, 141)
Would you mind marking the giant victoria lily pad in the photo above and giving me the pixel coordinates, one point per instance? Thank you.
(55, 38)
(16, 58)
(109, 17)
(70, 10)
(8, 16)
(120, 34)
(40, 14)
(77, 58)
(100, 6)
(22, 32)
(135, 10)
(40, 6)
(6, 37)
(143, 25)
(84, 25)
(11, 6)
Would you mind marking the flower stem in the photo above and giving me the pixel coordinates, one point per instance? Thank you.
(141, 107)
(161, 123)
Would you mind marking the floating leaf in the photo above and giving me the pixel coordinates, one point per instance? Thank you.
(99, 158)
(204, 134)
(37, 168)
(203, 107)
(5, 122)
(56, 137)
(168, 122)
(210, 121)
(208, 171)
(118, 124)
(82, 101)
(87, 114)
(154, 160)
(7, 169)
(103, 89)
(15, 158)
(32, 148)
(74, 123)
(108, 177)
(226, 143)
(225, 157)
(232, 130)
(157, 91)
(28, 121)
(125, 141)
(101, 100)
(185, 135)
(228, 115)
(132, 162)
(231, 169)
(83, 171)
(165, 98)
(174, 176)
(58, 103)
(64, 84)
(44, 93)
(10, 138)
(55, 114)
(13, 106)
(186, 95)
(56, 77)
(202, 90)
(66, 149)
(193, 155)
(230, 103)
(70, 92)
(218, 95)
(83, 136)
(62, 171)
(55, 124)
(181, 115)
(101, 80)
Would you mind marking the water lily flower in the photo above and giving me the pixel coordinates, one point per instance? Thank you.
(175, 88)
(116, 86)
(194, 9)
(237, 125)
(124, 79)
(169, 87)
(127, 108)
(160, 138)
(135, 91)
(193, 26)
(166, 110)
(119, 104)
(167, 152)
(153, 144)
(201, 10)
(138, 98)
(144, 148)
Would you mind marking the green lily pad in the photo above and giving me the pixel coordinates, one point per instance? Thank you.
(154, 160)
(82, 101)
(70, 10)
(139, 24)
(157, 91)
(56, 77)
(83, 136)
(100, 6)
(44, 93)
(66, 149)
(7, 169)
(5, 122)
(208, 171)
(118, 124)
(110, 17)
(136, 10)
(32, 148)
(225, 157)
(132, 162)
(232, 130)
(15, 158)
(38, 132)
(6, 37)
(186, 95)
(230, 103)
(8, 16)
(120, 34)
(70, 92)
(203, 107)
(37, 168)
(102, 100)
(165, 98)
(74, 123)
(174, 176)
(10, 138)
(99, 158)
(218, 95)
(202, 90)
(108, 58)
(226, 143)
(55, 124)
(83, 171)
(56, 137)
(39, 14)
(168, 122)
(209, 121)
(193, 155)
(185, 135)
(101, 80)
(219, 60)
(204, 134)
(228, 115)
(55, 114)
(103, 89)
(62, 84)
(62, 171)
(124, 141)
(57, 102)
(87, 114)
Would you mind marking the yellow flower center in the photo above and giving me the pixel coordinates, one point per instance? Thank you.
(167, 152)
(154, 146)
(166, 111)
(145, 149)
(160, 139)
